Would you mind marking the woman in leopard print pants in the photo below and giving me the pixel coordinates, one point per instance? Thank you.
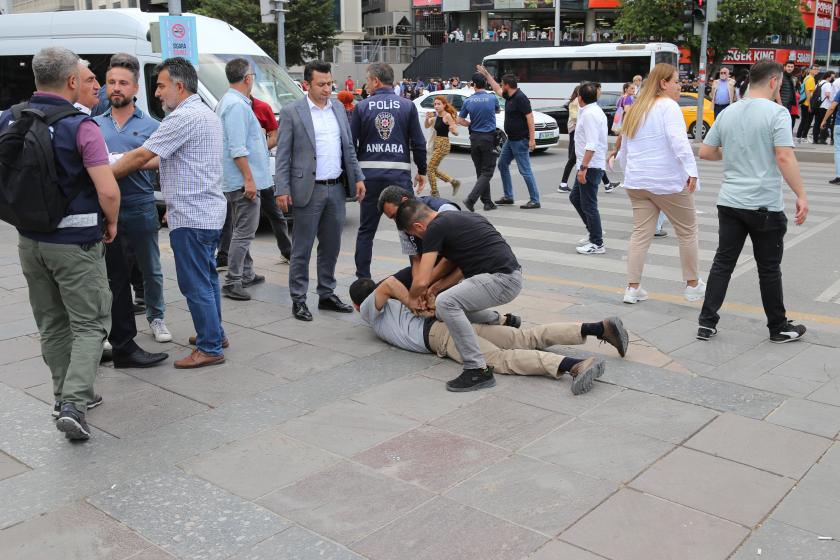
(443, 119)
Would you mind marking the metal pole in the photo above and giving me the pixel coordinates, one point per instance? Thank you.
(281, 36)
(557, 23)
(814, 38)
(174, 7)
(701, 91)
(830, 31)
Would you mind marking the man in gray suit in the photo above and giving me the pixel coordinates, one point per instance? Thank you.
(315, 157)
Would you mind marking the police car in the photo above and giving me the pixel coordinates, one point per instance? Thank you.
(546, 130)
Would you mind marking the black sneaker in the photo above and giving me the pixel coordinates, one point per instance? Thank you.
(835, 181)
(138, 308)
(790, 333)
(530, 205)
(221, 263)
(72, 423)
(469, 205)
(512, 320)
(489, 206)
(97, 400)
(616, 335)
(705, 333)
(611, 187)
(505, 200)
(472, 380)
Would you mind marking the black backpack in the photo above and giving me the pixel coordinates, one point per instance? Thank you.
(30, 195)
(816, 97)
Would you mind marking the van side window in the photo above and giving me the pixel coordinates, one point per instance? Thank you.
(152, 102)
(16, 81)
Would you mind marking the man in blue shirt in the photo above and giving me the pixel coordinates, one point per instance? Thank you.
(481, 108)
(245, 170)
(125, 127)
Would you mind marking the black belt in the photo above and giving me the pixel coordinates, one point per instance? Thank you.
(427, 328)
(328, 181)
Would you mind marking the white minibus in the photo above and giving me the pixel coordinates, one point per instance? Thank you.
(97, 34)
(548, 75)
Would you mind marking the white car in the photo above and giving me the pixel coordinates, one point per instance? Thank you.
(545, 127)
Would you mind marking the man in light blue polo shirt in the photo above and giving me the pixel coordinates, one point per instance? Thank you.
(245, 170)
(125, 127)
(481, 108)
(753, 138)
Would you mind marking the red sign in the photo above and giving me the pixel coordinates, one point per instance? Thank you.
(421, 3)
(604, 3)
(819, 11)
(734, 56)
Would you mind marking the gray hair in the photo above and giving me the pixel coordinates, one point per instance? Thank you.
(53, 65)
(236, 70)
(382, 72)
(128, 62)
(393, 194)
(180, 70)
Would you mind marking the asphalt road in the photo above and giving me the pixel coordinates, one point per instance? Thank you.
(545, 239)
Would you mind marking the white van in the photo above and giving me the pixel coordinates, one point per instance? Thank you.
(95, 35)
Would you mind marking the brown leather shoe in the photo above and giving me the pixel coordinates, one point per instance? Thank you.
(198, 359)
(225, 342)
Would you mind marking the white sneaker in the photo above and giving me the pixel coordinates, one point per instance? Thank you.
(584, 240)
(159, 331)
(696, 293)
(635, 295)
(591, 249)
(107, 346)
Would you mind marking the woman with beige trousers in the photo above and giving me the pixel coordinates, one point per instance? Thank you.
(660, 173)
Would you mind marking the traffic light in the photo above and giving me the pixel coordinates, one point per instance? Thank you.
(698, 10)
(688, 17)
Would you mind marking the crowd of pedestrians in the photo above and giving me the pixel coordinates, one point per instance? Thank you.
(218, 179)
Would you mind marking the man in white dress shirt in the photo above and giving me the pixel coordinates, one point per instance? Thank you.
(315, 158)
(590, 152)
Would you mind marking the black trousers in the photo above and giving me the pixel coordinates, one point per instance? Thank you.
(767, 231)
(123, 327)
(805, 123)
(369, 216)
(819, 135)
(275, 216)
(484, 159)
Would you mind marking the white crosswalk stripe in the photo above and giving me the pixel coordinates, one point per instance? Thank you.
(549, 235)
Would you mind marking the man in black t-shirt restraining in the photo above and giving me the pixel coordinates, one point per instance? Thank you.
(472, 249)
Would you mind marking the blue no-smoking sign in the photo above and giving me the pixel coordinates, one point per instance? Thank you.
(178, 37)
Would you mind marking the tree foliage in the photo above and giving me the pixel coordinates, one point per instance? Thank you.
(740, 23)
(310, 27)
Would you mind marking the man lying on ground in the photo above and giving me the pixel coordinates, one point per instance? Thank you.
(506, 349)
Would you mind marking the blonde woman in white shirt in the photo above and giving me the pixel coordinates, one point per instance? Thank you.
(660, 174)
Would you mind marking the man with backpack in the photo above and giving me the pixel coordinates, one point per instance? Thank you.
(820, 102)
(63, 211)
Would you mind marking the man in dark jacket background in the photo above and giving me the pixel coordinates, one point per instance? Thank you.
(385, 129)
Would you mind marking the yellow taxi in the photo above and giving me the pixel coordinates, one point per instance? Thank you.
(688, 104)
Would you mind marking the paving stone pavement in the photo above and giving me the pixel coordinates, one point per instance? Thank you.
(318, 441)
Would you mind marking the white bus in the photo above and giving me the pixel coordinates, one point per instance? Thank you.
(95, 35)
(548, 75)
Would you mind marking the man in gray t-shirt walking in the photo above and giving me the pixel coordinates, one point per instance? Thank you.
(753, 138)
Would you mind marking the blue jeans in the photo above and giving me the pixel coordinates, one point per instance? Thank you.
(195, 265)
(837, 150)
(138, 228)
(517, 149)
(584, 198)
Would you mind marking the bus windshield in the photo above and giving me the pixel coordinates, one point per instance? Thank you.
(271, 83)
